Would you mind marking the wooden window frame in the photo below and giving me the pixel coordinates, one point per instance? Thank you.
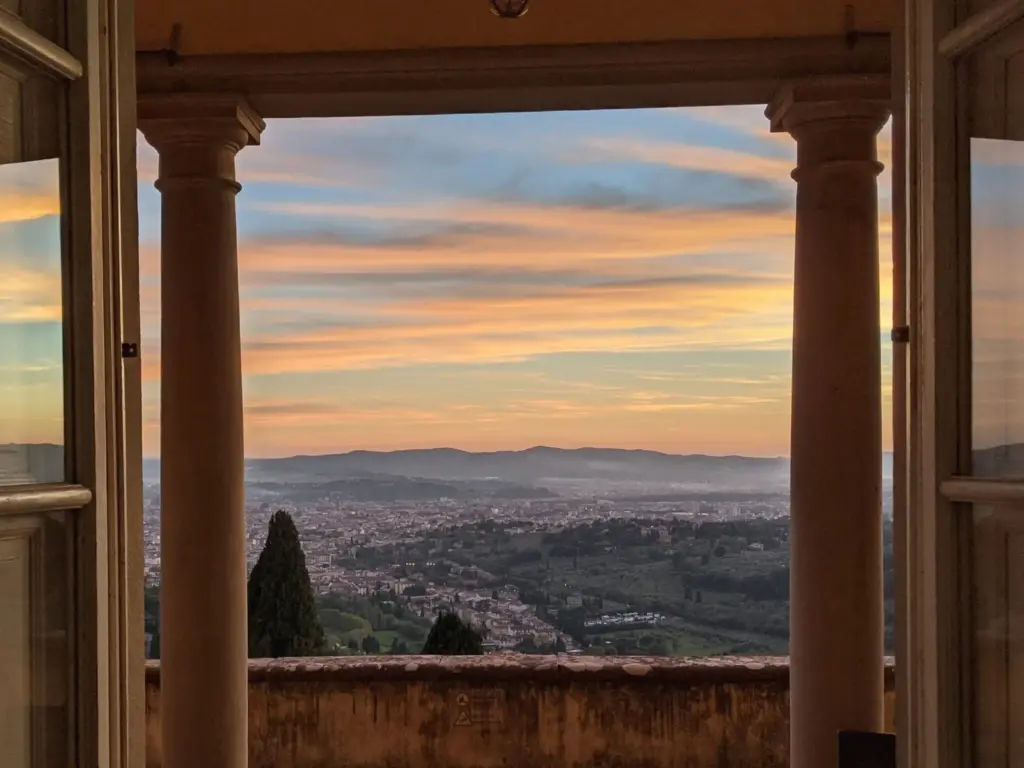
(102, 410)
(936, 653)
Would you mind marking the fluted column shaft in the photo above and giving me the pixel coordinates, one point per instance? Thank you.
(836, 602)
(203, 697)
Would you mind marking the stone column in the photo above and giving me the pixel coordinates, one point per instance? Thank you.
(203, 680)
(836, 606)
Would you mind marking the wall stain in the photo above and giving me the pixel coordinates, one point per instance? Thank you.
(386, 715)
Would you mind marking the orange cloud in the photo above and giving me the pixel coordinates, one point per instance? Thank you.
(280, 158)
(725, 308)
(708, 159)
(491, 330)
(675, 421)
(313, 413)
(521, 235)
(480, 282)
(742, 120)
(29, 295)
(22, 205)
(749, 120)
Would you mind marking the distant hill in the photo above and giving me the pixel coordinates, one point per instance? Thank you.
(31, 463)
(540, 465)
(543, 469)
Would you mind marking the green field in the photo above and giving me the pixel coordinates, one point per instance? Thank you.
(348, 620)
(720, 587)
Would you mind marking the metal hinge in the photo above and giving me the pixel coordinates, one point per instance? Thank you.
(129, 349)
(900, 335)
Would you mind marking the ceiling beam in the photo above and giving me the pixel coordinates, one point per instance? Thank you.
(534, 78)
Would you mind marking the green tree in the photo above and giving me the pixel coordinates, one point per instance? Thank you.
(451, 636)
(399, 648)
(527, 645)
(282, 613)
(371, 644)
(663, 646)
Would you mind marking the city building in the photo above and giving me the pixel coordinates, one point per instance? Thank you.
(200, 79)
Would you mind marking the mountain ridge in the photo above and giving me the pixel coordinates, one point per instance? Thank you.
(536, 466)
(532, 450)
(540, 467)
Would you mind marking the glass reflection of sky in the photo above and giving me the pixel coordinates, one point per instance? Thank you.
(997, 213)
(31, 347)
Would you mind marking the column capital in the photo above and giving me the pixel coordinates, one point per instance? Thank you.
(190, 119)
(853, 98)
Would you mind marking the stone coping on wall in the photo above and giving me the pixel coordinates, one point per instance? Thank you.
(507, 667)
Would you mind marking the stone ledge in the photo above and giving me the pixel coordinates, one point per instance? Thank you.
(508, 667)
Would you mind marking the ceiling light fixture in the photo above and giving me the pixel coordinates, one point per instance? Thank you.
(510, 9)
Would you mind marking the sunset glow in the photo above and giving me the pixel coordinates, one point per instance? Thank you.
(618, 278)
(501, 281)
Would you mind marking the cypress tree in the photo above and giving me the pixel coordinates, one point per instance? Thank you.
(451, 636)
(282, 612)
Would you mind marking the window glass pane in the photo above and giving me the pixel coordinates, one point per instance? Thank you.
(997, 292)
(998, 624)
(31, 335)
(34, 641)
(997, 256)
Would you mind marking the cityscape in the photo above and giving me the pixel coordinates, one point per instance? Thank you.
(626, 552)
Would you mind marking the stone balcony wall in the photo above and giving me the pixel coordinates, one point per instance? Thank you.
(511, 711)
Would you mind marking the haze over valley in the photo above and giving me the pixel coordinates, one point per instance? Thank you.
(591, 550)
(539, 472)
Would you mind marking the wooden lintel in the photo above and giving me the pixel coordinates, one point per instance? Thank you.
(669, 74)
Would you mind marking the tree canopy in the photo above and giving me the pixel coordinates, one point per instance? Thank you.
(282, 613)
(451, 636)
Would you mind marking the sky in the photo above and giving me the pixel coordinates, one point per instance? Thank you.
(612, 278)
(997, 285)
(31, 347)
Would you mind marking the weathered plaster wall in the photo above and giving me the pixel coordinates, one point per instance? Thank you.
(486, 712)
